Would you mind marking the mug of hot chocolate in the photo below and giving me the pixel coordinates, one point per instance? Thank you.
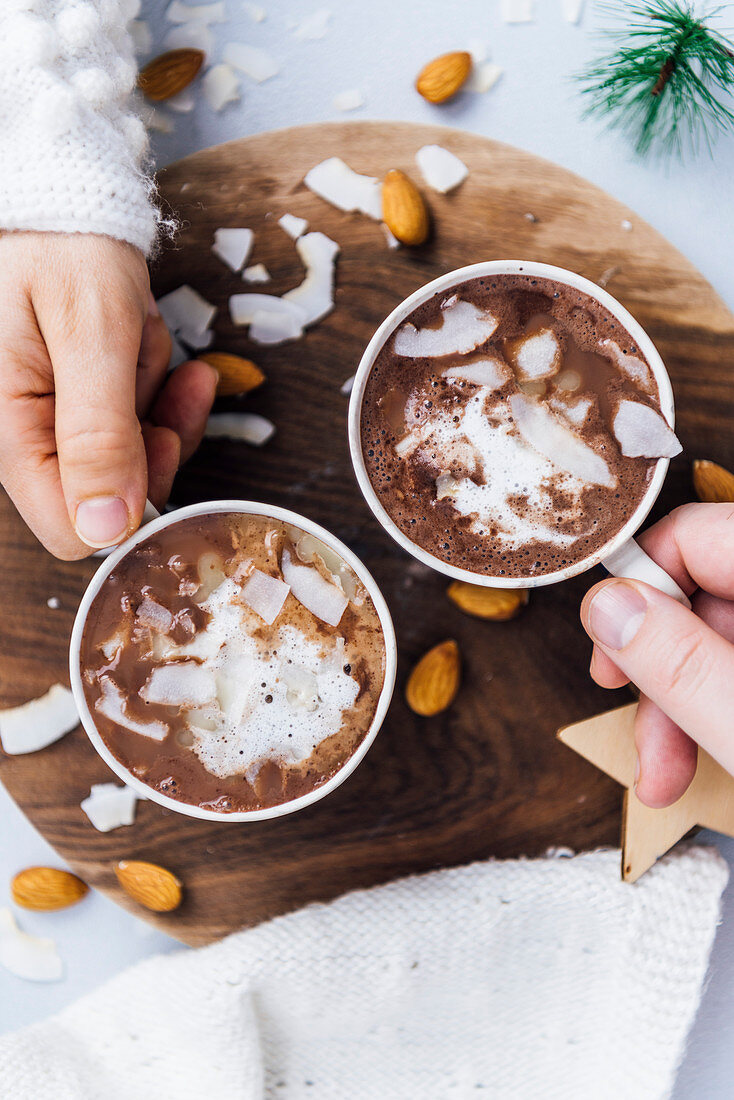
(511, 425)
(232, 661)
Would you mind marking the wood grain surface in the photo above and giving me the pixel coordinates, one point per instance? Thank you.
(488, 778)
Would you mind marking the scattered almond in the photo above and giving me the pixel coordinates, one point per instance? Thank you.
(442, 77)
(170, 73)
(497, 604)
(150, 885)
(46, 888)
(712, 483)
(434, 682)
(236, 375)
(403, 210)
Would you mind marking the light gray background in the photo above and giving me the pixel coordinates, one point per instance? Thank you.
(379, 46)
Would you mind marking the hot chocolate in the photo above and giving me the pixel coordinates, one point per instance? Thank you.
(233, 662)
(510, 426)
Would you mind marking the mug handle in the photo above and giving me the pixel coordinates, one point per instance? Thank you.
(149, 512)
(631, 561)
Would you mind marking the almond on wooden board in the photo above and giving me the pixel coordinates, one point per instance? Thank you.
(496, 604)
(150, 885)
(441, 78)
(47, 888)
(236, 375)
(713, 484)
(404, 211)
(170, 73)
(434, 682)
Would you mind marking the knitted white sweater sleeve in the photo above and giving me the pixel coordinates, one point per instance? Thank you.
(71, 148)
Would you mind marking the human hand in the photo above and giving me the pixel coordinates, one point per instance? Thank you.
(89, 423)
(682, 661)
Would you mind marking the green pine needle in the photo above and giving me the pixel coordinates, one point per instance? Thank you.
(669, 81)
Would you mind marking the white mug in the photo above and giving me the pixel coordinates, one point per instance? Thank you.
(621, 555)
(284, 515)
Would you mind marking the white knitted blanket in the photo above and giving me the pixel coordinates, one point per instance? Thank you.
(528, 980)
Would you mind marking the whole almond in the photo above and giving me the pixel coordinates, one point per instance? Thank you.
(496, 604)
(712, 483)
(236, 375)
(150, 885)
(434, 682)
(403, 210)
(45, 888)
(441, 78)
(170, 73)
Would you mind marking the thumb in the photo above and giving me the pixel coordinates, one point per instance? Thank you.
(98, 436)
(673, 656)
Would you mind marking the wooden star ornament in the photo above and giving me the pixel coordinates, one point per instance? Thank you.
(608, 742)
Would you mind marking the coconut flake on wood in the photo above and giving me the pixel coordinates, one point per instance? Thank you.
(314, 26)
(258, 273)
(109, 806)
(274, 328)
(315, 295)
(258, 64)
(178, 12)
(293, 226)
(33, 958)
(465, 326)
(484, 372)
(111, 704)
(196, 340)
(441, 169)
(141, 36)
(348, 100)
(338, 184)
(538, 356)
(265, 595)
(185, 308)
(195, 36)
(483, 77)
(53, 602)
(635, 369)
(642, 432)
(244, 307)
(233, 247)
(38, 723)
(546, 434)
(517, 11)
(346, 387)
(571, 10)
(220, 86)
(392, 240)
(181, 684)
(322, 598)
(248, 427)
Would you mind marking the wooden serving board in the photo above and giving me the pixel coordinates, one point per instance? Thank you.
(487, 778)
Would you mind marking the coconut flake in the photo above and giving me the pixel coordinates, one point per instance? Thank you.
(484, 372)
(313, 26)
(255, 12)
(442, 170)
(246, 426)
(53, 602)
(322, 598)
(258, 64)
(38, 723)
(182, 684)
(158, 121)
(346, 387)
(258, 273)
(109, 806)
(315, 295)
(178, 12)
(635, 369)
(244, 307)
(141, 35)
(195, 36)
(392, 240)
(334, 181)
(465, 326)
(183, 102)
(483, 77)
(556, 442)
(185, 308)
(572, 10)
(643, 433)
(196, 340)
(155, 615)
(517, 11)
(233, 247)
(111, 704)
(220, 86)
(274, 328)
(265, 595)
(33, 958)
(537, 356)
(446, 486)
(293, 226)
(348, 100)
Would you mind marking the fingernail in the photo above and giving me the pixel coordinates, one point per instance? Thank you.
(102, 521)
(616, 614)
(153, 310)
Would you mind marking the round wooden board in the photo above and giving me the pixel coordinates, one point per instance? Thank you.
(487, 778)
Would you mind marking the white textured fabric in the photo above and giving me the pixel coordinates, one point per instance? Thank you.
(72, 151)
(523, 980)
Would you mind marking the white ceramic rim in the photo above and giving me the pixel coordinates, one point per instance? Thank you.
(253, 508)
(447, 282)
